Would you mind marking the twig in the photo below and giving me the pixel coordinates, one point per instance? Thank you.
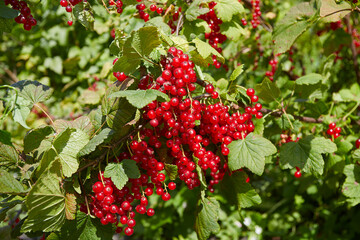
(52, 122)
(341, 10)
(353, 49)
(11, 75)
(180, 23)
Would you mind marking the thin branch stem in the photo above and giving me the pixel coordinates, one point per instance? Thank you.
(341, 10)
(48, 116)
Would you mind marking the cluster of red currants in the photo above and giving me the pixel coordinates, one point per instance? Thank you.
(174, 19)
(333, 130)
(25, 16)
(192, 131)
(144, 15)
(256, 14)
(69, 4)
(118, 4)
(114, 206)
(215, 37)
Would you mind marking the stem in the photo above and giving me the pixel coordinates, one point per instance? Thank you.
(351, 111)
(341, 10)
(179, 25)
(48, 116)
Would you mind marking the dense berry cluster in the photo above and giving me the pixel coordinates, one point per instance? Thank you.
(118, 5)
(69, 4)
(189, 132)
(256, 13)
(215, 37)
(333, 130)
(117, 206)
(143, 14)
(25, 16)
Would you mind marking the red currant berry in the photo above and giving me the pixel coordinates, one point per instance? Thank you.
(150, 212)
(172, 185)
(250, 92)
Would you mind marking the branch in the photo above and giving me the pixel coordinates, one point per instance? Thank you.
(11, 75)
(353, 48)
(180, 23)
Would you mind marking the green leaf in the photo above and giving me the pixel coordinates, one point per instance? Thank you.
(351, 186)
(130, 167)
(6, 24)
(67, 145)
(8, 184)
(89, 97)
(137, 47)
(8, 156)
(195, 10)
(140, 98)
(84, 228)
(356, 155)
(82, 123)
(346, 95)
(232, 30)
(267, 90)
(34, 138)
(306, 154)
(20, 115)
(33, 91)
(159, 23)
(121, 172)
(142, 41)
(118, 112)
(245, 193)
(9, 13)
(70, 206)
(127, 63)
(250, 152)
(295, 22)
(116, 172)
(96, 141)
(332, 11)
(205, 50)
(55, 64)
(5, 137)
(7, 204)
(171, 171)
(46, 202)
(206, 221)
(283, 121)
(84, 14)
(309, 79)
(225, 9)
(237, 71)
(200, 173)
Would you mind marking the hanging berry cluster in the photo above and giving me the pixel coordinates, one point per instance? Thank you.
(69, 4)
(25, 16)
(333, 130)
(188, 132)
(256, 13)
(175, 14)
(215, 37)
